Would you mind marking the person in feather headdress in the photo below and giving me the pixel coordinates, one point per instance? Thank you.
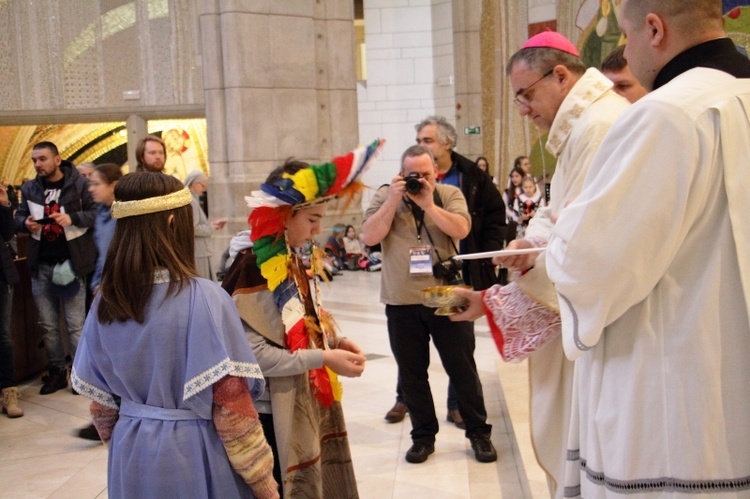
(294, 339)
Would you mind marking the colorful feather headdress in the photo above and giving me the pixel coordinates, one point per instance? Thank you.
(271, 208)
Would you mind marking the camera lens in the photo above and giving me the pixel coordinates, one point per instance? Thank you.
(413, 185)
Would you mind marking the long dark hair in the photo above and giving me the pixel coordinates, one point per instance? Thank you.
(511, 191)
(143, 244)
(486, 162)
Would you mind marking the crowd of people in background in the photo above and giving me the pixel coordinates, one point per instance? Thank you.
(248, 374)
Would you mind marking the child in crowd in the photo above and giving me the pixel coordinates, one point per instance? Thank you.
(511, 194)
(356, 255)
(335, 246)
(351, 242)
(527, 203)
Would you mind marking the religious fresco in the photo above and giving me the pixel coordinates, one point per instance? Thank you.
(600, 33)
(187, 145)
(737, 22)
(597, 21)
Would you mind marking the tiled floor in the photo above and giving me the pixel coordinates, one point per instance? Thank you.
(42, 457)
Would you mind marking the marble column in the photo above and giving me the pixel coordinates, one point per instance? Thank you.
(467, 17)
(513, 131)
(279, 81)
(137, 129)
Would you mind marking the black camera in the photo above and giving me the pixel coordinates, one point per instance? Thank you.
(449, 270)
(413, 185)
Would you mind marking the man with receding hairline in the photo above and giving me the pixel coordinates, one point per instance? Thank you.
(661, 391)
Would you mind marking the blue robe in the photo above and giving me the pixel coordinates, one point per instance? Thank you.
(164, 443)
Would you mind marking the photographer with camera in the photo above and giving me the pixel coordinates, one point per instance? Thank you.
(418, 228)
(488, 227)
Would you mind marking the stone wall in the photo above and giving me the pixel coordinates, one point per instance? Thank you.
(67, 61)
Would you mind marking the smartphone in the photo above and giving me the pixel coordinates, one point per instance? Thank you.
(45, 221)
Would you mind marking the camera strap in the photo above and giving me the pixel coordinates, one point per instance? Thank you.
(418, 214)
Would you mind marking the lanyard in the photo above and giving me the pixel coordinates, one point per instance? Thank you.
(418, 214)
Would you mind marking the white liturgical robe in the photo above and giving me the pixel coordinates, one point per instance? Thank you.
(580, 124)
(647, 263)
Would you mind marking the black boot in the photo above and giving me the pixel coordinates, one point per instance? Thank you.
(89, 433)
(57, 379)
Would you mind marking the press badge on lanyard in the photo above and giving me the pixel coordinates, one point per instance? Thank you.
(420, 260)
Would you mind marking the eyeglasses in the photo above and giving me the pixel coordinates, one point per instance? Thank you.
(520, 98)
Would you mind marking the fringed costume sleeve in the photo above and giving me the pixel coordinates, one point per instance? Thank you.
(242, 436)
(104, 419)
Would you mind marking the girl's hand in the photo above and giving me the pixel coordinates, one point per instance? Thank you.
(349, 345)
(344, 363)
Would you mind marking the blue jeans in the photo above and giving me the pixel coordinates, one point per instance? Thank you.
(7, 374)
(48, 305)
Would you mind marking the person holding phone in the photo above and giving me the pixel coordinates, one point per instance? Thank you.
(58, 212)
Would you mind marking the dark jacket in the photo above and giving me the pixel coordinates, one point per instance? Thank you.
(77, 201)
(488, 225)
(8, 272)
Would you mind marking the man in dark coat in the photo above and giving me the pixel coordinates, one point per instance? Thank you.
(485, 203)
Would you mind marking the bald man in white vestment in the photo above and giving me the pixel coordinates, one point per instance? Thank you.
(651, 266)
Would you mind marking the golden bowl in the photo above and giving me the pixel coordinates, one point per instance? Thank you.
(444, 299)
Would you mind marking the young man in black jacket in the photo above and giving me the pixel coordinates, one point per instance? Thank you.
(59, 213)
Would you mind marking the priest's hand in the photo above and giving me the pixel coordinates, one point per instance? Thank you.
(475, 308)
(517, 262)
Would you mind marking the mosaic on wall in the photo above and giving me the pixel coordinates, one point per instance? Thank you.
(597, 22)
(108, 59)
(600, 33)
(103, 143)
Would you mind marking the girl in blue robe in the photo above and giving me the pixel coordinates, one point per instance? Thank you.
(164, 358)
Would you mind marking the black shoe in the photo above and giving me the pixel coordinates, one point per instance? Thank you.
(397, 413)
(455, 417)
(419, 452)
(57, 379)
(484, 451)
(89, 433)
